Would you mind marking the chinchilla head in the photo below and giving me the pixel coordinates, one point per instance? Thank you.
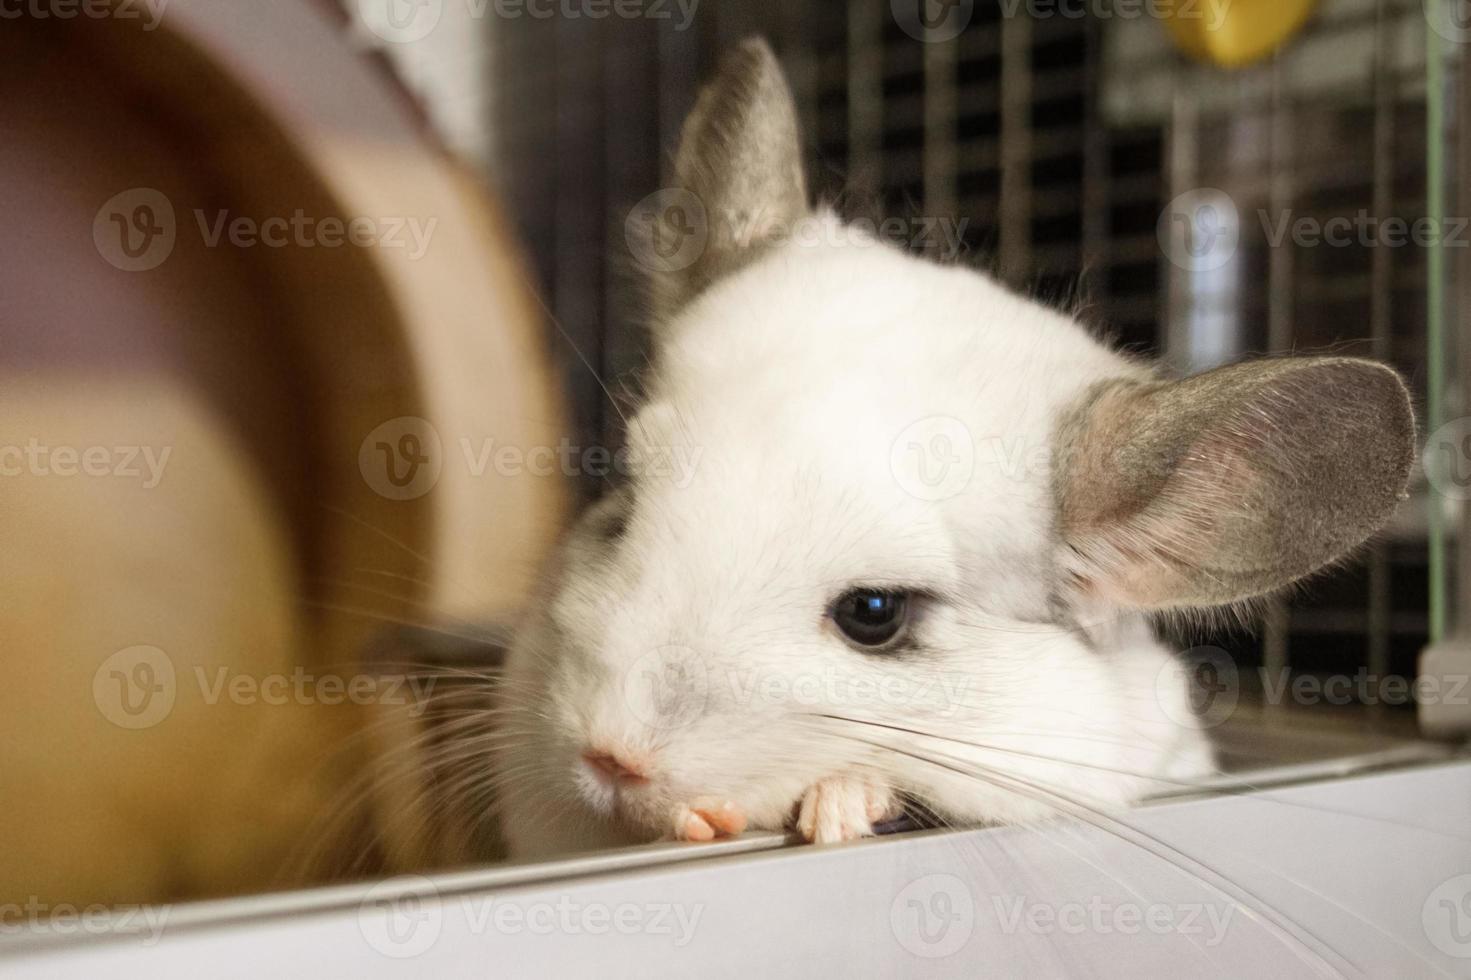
(884, 513)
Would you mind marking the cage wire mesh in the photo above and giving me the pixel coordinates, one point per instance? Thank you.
(1071, 146)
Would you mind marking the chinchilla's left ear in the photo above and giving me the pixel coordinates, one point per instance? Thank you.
(1232, 483)
(740, 160)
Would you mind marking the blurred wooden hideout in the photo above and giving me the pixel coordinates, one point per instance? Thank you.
(211, 509)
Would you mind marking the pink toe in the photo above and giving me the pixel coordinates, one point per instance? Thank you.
(696, 829)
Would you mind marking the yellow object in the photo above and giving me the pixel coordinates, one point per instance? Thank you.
(1233, 33)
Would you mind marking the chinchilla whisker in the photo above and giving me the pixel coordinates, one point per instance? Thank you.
(1250, 902)
(1238, 788)
(375, 529)
(378, 616)
(1022, 753)
(367, 589)
(1302, 940)
(463, 790)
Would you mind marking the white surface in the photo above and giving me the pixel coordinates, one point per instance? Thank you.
(1367, 876)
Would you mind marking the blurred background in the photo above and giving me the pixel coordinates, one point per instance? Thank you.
(290, 433)
(1202, 180)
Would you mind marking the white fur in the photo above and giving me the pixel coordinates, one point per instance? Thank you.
(791, 380)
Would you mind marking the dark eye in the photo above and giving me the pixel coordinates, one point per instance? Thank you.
(871, 617)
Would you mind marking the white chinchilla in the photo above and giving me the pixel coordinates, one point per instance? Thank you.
(919, 527)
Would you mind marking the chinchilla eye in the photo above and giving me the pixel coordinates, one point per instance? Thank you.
(871, 617)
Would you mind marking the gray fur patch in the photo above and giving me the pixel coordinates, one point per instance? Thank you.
(740, 155)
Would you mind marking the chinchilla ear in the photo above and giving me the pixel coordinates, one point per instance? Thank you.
(739, 170)
(1232, 483)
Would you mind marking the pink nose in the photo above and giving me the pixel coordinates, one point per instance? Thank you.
(614, 769)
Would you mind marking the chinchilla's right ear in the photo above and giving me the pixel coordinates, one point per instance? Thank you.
(1229, 484)
(739, 168)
